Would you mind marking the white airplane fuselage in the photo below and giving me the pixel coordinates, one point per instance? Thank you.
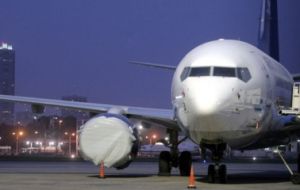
(228, 91)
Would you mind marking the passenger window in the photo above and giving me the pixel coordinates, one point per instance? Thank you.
(200, 71)
(224, 72)
(243, 74)
(185, 73)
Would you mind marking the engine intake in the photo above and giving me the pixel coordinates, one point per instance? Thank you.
(110, 138)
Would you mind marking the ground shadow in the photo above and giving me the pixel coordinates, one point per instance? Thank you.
(253, 177)
(122, 176)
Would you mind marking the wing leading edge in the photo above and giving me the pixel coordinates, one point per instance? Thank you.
(163, 117)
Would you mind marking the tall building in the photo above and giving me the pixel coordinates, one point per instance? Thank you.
(7, 81)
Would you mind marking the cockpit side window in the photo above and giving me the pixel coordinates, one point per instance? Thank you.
(243, 74)
(199, 71)
(185, 73)
(224, 72)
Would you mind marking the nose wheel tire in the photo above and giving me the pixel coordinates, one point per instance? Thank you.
(211, 173)
(185, 162)
(164, 165)
(222, 174)
(217, 173)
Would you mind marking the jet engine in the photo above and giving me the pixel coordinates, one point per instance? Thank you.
(109, 138)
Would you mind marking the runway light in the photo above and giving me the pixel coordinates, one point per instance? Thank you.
(254, 158)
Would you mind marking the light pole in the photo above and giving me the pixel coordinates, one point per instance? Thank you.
(70, 141)
(18, 134)
(154, 138)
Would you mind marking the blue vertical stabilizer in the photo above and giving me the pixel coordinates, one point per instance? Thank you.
(268, 40)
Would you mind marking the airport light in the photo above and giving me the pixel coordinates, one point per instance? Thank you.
(254, 158)
(18, 135)
(51, 143)
(36, 132)
(153, 139)
(70, 135)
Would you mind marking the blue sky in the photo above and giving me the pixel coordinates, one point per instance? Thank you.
(82, 47)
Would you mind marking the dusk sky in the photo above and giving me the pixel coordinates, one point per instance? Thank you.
(82, 47)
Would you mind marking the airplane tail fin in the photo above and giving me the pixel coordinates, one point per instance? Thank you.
(268, 40)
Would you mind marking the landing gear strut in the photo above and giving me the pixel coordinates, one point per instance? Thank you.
(295, 177)
(216, 172)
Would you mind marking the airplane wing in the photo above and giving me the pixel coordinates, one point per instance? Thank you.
(159, 116)
(296, 77)
(167, 67)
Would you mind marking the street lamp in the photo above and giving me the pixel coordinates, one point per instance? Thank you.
(18, 134)
(154, 138)
(70, 135)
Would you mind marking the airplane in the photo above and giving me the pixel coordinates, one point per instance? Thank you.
(225, 93)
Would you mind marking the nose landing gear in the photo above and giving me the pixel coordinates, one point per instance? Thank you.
(216, 173)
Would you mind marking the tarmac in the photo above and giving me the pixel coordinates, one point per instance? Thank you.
(15, 175)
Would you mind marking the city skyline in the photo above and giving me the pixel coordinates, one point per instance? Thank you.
(83, 48)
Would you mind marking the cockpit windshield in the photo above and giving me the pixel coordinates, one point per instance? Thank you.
(200, 71)
(241, 73)
(224, 72)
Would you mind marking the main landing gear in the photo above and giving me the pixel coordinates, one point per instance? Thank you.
(167, 159)
(216, 173)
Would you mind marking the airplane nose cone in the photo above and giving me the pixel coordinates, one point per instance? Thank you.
(207, 105)
(209, 98)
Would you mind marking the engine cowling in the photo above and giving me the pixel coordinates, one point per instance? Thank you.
(110, 138)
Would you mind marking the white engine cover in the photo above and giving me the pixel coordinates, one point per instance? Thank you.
(108, 138)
